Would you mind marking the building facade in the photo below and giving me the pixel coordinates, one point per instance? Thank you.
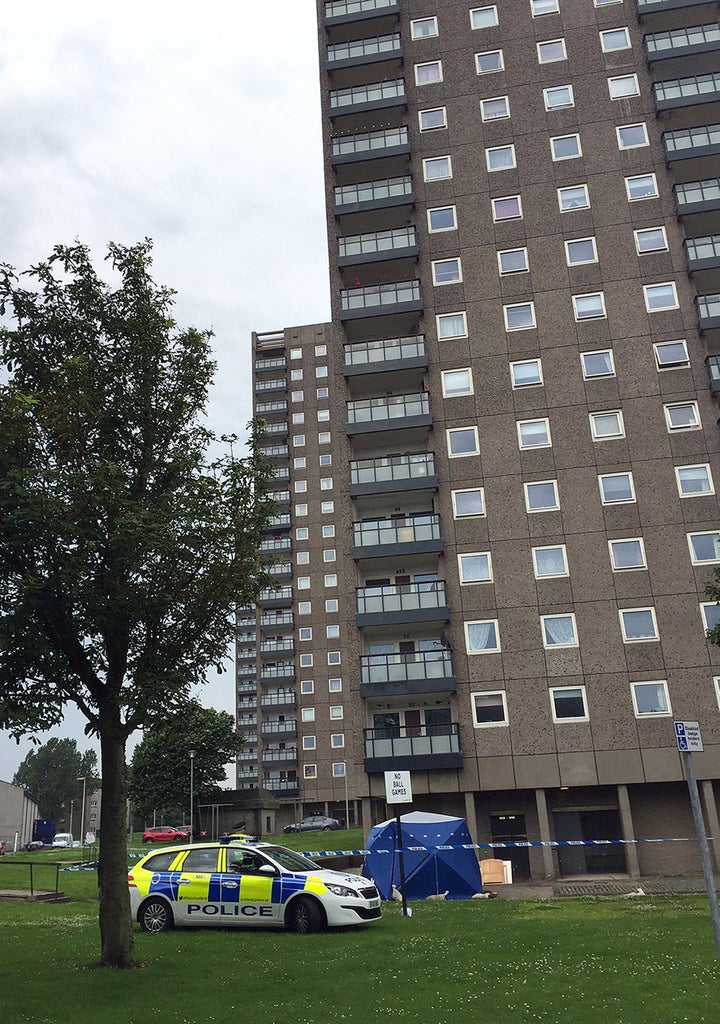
(497, 466)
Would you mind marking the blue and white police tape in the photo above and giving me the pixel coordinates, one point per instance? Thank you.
(503, 846)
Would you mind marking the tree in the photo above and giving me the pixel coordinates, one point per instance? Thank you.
(53, 775)
(159, 775)
(123, 544)
(712, 592)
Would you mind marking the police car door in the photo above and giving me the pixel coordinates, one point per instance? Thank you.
(197, 889)
(249, 893)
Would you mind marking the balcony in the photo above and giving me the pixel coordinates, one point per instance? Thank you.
(339, 12)
(246, 704)
(401, 675)
(400, 603)
(702, 253)
(283, 787)
(280, 672)
(271, 364)
(421, 748)
(412, 534)
(262, 387)
(277, 430)
(275, 597)
(281, 474)
(712, 365)
(280, 497)
(280, 570)
(278, 522)
(380, 144)
(276, 451)
(286, 619)
(276, 545)
(362, 196)
(246, 722)
(287, 755)
(396, 412)
(686, 92)
(389, 355)
(247, 773)
(279, 699)
(246, 687)
(692, 143)
(270, 408)
(280, 645)
(377, 246)
(392, 473)
(682, 42)
(285, 728)
(247, 755)
(708, 312)
(646, 7)
(359, 99)
(380, 300)
(364, 51)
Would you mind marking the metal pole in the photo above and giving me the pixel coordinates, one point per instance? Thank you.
(192, 767)
(703, 844)
(347, 802)
(72, 804)
(82, 816)
(401, 859)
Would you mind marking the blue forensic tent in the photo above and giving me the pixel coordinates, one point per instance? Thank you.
(430, 870)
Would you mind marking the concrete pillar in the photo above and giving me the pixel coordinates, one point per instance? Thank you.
(471, 817)
(545, 835)
(711, 820)
(628, 831)
(366, 811)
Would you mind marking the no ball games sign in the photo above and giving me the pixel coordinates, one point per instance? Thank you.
(398, 789)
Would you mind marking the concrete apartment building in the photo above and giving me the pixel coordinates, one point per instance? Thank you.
(497, 468)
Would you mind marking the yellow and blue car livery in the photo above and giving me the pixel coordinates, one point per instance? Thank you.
(246, 884)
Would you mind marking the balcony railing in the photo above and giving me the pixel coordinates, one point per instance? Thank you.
(415, 667)
(381, 298)
(286, 619)
(386, 354)
(393, 472)
(656, 6)
(274, 363)
(286, 728)
(702, 253)
(684, 92)
(276, 451)
(247, 721)
(687, 143)
(712, 365)
(247, 773)
(285, 754)
(276, 384)
(279, 521)
(367, 97)
(288, 787)
(279, 699)
(247, 687)
(680, 42)
(280, 569)
(247, 755)
(280, 497)
(380, 193)
(404, 601)
(284, 670)
(374, 246)
(284, 645)
(280, 474)
(358, 51)
(395, 410)
(376, 537)
(708, 310)
(368, 145)
(262, 408)
(429, 746)
(273, 595)
(276, 429)
(276, 544)
(350, 8)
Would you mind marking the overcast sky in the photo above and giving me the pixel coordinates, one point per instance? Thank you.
(196, 126)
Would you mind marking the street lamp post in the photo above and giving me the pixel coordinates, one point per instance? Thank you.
(72, 804)
(82, 813)
(192, 780)
(347, 802)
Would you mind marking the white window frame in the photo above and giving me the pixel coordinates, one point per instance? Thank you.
(646, 231)
(672, 429)
(674, 303)
(429, 64)
(606, 33)
(504, 199)
(456, 430)
(487, 650)
(695, 494)
(550, 575)
(559, 138)
(424, 35)
(435, 264)
(704, 533)
(614, 95)
(489, 725)
(432, 127)
(622, 501)
(449, 337)
(627, 568)
(506, 252)
(635, 145)
(655, 638)
(436, 159)
(531, 447)
(575, 642)
(531, 384)
(546, 508)
(704, 605)
(307, 686)
(497, 149)
(651, 714)
(581, 263)
(571, 209)
(607, 412)
(570, 718)
(492, 71)
(436, 209)
(547, 93)
(520, 305)
(457, 394)
(662, 368)
(494, 117)
(469, 515)
(476, 10)
(474, 554)
(548, 42)
(597, 376)
(643, 198)
(541, 14)
(602, 315)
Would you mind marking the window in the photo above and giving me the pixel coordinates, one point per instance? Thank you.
(622, 86)
(306, 660)
(300, 463)
(616, 488)
(550, 562)
(581, 250)
(298, 417)
(670, 355)
(486, 63)
(446, 271)
(550, 51)
(475, 567)
(423, 28)
(328, 531)
(597, 364)
(650, 699)
(331, 605)
(307, 714)
(615, 39)
(483, 17)
(682, 416)
(338, 769)
(301, 510)
(321, 350)
(607, 425)
(559, 97)
(336, 711)
(650, 240)
(305, 633)
(494, 108)
(329, 555)
(321, 393)
(307, 686)
(324, 437)
(332, 632)
(451, 325)
(627, 554)
(323, 415)
(589, 307)
(710, 612)
(507, 208)
(303, 582)
(541, 496)
(298, 441)
(568, 704)
(308, 743)
(513, 261)
(331, 579)
(457, 382)
(325, 460)
(500, 158)
(304, 607)
(462, 441)
(428, 74)
(559, 630)
(296, 353)
(436, 168)
(659, 297)
(540, 7)
(337, 739)
(632, 136)
(470, 502)
(335, 685)
(534, 434)
(565, 147)
(302, 557)
(432, 119)
(489, 708)
(302, 533)
(520, 316)
(574, 197)
(300, 486)
(321, 371)
(482, 637)
(333, 658)
(694, 481)
(326, 483)
(442, 218)
(526, 373)
(606, 3)
(309, 771)
(704, 547)
(638, 625)
(641, 186)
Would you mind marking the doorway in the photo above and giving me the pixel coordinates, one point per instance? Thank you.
(510, 828)
(581, 825)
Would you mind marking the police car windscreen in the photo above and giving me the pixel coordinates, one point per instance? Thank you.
(289, 859)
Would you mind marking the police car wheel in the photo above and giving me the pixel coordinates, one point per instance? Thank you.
(305, 916)
(155, 916)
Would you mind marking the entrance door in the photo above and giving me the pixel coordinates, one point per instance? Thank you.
(510, 828)
(589, 860)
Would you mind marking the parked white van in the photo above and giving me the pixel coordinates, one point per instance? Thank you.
(63, 839)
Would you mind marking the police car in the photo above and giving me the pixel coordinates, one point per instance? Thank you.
(246, 884)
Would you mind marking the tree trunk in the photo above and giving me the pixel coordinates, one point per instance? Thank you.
(116, 930)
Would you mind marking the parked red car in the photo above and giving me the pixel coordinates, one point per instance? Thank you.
(164, 834)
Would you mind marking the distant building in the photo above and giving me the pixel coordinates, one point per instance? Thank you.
(18, 810)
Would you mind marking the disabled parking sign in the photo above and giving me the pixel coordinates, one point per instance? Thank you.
(688, 736)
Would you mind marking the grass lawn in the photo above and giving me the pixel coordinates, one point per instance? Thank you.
(644, 961)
